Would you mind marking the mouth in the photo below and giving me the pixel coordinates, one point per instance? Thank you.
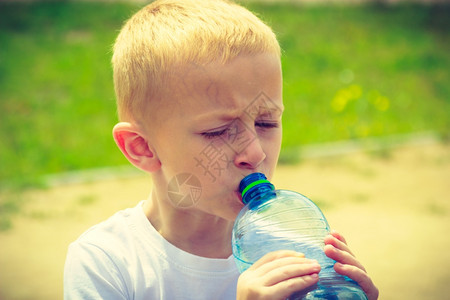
(238, 196)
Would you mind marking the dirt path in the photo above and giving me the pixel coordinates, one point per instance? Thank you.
(394, 212)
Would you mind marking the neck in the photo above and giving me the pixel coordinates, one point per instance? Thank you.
(192, 231)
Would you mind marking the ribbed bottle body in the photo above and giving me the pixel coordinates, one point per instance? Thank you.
(286, 220)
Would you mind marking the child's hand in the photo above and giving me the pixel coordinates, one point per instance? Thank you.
(346, 264)
(277, 275)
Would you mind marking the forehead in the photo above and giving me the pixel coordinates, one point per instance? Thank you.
(247, 80)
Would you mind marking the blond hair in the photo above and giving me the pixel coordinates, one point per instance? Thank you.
(169, 33)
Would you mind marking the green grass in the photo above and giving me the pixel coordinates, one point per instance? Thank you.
(350, 72)
(353, 72)
(57, 98)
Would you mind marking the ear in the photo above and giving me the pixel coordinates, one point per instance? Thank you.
(134, 145)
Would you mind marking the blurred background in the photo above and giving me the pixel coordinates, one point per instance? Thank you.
(350, 71)
(366, 73)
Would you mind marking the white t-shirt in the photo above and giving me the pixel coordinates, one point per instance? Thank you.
(124, 257)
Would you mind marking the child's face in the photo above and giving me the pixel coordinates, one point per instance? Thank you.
(218, 124)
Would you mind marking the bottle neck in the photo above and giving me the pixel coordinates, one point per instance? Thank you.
(257, 192)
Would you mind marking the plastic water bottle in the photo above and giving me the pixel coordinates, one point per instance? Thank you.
(284, 220)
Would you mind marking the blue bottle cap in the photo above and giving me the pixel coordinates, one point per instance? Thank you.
(254, 184)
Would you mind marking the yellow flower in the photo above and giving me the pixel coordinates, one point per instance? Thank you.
(344, 96)
(382, 103)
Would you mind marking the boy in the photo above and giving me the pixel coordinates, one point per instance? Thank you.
(199, 94)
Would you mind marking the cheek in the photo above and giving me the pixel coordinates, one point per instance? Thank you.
(221, 199)
(272, 146)
(272, 150)
(184, 153)
(212, 161)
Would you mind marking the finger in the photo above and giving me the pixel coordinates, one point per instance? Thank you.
(289, 271)
(271, 256)
(286, 288)
(361, 277)
(277, 264)
(337, 243)
(338, 236)
(342, 256)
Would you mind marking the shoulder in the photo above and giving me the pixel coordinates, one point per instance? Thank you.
(119, 258)
(110, 240)
(111, 231)
(98, 260)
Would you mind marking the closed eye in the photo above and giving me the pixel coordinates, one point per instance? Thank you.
(267, 125)
(214, 134)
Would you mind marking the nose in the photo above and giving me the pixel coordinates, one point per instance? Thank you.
(251, 156)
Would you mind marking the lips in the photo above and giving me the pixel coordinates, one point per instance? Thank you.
(238, 195)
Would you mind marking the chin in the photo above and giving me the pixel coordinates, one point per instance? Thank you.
(231, 212)
(235, 211)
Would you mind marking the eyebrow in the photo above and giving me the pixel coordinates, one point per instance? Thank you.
(265, 111)
(229, 115)
(221, 114)
(269, 111)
